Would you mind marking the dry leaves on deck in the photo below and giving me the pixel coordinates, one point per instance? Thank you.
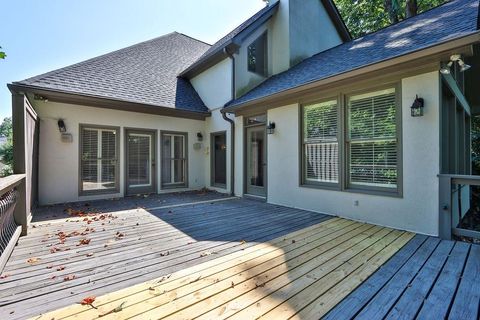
(87, 300)
(33, 260)
(69, 277)
(83, 242)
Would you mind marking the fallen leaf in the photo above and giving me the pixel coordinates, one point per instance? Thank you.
(243, 242)
(33, 260)
(69, 277)
(233, 285)
(60, 268)
(89, 254)
(50, 266)
(83, 242)
(117, 309)
(163, 254)
(3, 276)
(87, 300)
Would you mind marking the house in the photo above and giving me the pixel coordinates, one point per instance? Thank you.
(286, 108)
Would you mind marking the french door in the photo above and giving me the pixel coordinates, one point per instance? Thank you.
(140, 161)
(174, 160)
(256, 161)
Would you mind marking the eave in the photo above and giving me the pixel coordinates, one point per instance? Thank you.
(101, 102)
(414, 59)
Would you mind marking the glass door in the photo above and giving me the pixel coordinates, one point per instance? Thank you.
(219, 159)
(256, 161)
(140, 164)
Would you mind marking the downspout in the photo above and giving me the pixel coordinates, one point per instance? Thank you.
(232, 127)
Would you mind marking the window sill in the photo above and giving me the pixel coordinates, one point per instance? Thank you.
(382, 193)
(99, 192)
(174, 186)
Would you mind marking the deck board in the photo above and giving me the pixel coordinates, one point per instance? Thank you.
(264, 278)
(187, 233)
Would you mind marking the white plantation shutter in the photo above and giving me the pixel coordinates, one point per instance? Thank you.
(320, 122)
(372, 141)
(98, 159)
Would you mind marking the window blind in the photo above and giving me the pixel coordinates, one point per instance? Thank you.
(321, 142)
(98, 159)
(372, 141)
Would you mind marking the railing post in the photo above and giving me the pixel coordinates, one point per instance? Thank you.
(19, 154)
(20, 213)
(445, 207)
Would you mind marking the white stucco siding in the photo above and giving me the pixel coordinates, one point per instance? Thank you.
(311, 29)
(214, 85)
(58, 161)
(417, 210)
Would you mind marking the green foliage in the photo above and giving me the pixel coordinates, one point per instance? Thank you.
(2, 54)
(6, 150)
(476, 145)
(366, 16)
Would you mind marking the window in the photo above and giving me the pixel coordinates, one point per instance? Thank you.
(257, 56)
(320, 142)
(372, 139)
(98, 160)
(364, 154)
(174, 159)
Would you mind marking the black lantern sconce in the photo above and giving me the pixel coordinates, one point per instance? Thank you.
(199, 136)
(271, 127)
(61, 126)
(417, 107)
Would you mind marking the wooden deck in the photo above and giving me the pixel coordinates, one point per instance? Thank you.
(233, 258)
(131, 241)
(303, 275)
(427, 279)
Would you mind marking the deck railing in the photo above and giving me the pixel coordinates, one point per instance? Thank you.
(12, 217)
(459, 206)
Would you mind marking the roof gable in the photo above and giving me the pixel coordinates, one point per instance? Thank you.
(447, 22)
(144, 73)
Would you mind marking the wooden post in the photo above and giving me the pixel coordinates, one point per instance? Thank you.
(19, 152)
(445, 207)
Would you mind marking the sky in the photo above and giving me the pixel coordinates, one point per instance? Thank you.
(43, 35)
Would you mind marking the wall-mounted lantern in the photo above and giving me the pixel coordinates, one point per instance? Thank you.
(417, 107)
(271, 127)
(199, 136)
(61, 126)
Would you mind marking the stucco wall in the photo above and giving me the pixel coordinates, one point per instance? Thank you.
(311, 30)
(214, 85)
(417, 210)
(244, 79)
(58, 161)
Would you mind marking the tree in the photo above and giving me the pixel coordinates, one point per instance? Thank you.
(6, 150)
(366, 16)
(2, 54)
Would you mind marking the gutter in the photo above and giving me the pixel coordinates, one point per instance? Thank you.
(232, 127)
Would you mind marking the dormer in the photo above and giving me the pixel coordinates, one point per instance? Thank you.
(276, 38)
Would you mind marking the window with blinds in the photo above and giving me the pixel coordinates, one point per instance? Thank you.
(372, 139)
(174, 159)
(320, 142)
(98, 164)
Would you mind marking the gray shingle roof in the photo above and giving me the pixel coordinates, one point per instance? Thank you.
(447, 22)
(227, 39)
(144, 73)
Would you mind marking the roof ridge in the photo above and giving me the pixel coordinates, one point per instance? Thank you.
(193, 38)
(53, 72)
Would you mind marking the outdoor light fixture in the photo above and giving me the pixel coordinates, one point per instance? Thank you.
(199, 136)
(446, 68)
(61, 126)
(417, 107)
(271, 127)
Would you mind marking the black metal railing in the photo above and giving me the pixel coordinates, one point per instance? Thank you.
(13, 217)
(8, 226)
(459, 197)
